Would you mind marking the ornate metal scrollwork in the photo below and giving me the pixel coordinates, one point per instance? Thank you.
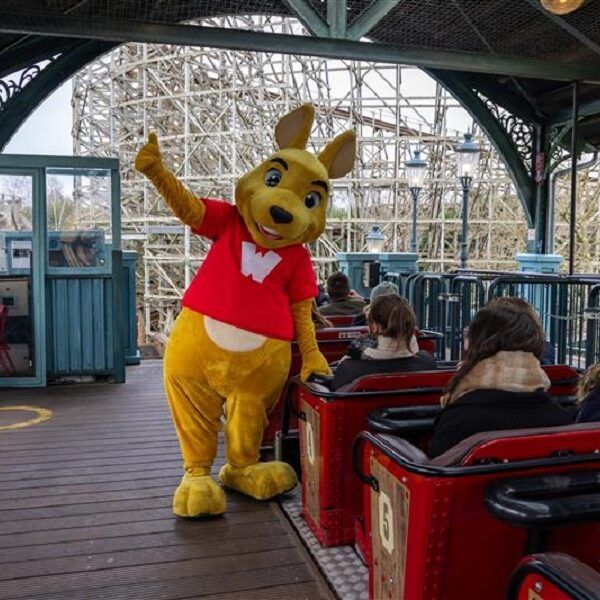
(518, 130)
(557, 151)
(12, 85)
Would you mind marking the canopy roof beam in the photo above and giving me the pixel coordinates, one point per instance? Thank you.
(308, 16)
(369, 18)
(193, 35)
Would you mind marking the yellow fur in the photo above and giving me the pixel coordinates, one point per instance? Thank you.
(200, 376)
(313, 362)
(261, 480)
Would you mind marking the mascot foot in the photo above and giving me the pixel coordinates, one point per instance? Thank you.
(260, 481)
(198, 495)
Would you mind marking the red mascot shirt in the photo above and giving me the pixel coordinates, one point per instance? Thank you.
(243, 284)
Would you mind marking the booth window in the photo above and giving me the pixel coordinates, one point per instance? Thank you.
(79, 218)
(16, 323)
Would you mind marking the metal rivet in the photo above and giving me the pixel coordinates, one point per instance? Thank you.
(537, 586)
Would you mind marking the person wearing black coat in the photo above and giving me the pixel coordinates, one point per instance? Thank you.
(494, 410)
(589, 395)
(500, 385)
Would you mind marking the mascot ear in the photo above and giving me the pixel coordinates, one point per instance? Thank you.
(338, 156)
(293, 129)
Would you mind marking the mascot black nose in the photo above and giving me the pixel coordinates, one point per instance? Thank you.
(280, 215)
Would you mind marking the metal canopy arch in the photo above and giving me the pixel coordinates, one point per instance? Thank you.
(498, 135)
(22, 99)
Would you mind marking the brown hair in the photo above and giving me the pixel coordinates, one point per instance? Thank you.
(319, 321)
(505, 324)
(395, 316)
(589, 381)
(338, 286)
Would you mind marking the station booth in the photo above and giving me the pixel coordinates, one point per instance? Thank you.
(67, 291)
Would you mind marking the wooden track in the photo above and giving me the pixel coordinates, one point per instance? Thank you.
(85, 507)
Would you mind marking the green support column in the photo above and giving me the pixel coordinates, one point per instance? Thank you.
(541, 175)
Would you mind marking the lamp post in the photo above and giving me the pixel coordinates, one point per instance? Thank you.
(467, 162)
(375, 240)
(416, 169)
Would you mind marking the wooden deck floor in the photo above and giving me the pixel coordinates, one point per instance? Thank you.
(85, 508)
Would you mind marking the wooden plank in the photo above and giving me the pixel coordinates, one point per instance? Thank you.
(98, 443)
(292, 591)
(120, 529)
(86, 488)
(309, 455)
(83, 473)
(142, 556)
(82, 500)
(241, 582)
(168, 455)
(389, 516)
(208, 537)
(158, 508)
(69, 480)
(198, 568)
(18, 455)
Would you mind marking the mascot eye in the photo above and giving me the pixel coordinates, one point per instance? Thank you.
(312, 199)
(272, 178)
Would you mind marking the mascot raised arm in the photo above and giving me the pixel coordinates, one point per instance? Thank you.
(230, 347)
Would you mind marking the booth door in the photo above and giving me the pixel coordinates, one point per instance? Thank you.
(21, 280)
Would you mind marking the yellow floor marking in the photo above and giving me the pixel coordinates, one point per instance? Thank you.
(43, 415)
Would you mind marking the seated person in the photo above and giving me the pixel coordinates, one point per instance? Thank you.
(322, 298)
(500, 383)
(341, 301)
(393, 321)
(588, 393)
(319, 321)
(369, 340)
(385, 287)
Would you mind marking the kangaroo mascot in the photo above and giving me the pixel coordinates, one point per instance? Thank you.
(230, 347)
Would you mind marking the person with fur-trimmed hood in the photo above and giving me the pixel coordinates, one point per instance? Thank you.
(500, 384)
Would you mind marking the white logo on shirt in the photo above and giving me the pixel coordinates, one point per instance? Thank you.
(256, 264)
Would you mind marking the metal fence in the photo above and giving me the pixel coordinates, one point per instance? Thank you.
(569, 307)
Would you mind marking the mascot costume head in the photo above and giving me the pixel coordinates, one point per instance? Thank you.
(229, 351)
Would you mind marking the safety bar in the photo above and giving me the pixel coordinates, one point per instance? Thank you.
(356, 467)
(546, 501)
(403, 420)
(407, 421)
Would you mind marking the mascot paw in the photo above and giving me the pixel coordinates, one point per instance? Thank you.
(260, 481)
(314, 364)
(148, 159)
(198, 495)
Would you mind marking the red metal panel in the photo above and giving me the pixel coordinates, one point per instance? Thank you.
(457, 549)
(536, 587)
(341, 419)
